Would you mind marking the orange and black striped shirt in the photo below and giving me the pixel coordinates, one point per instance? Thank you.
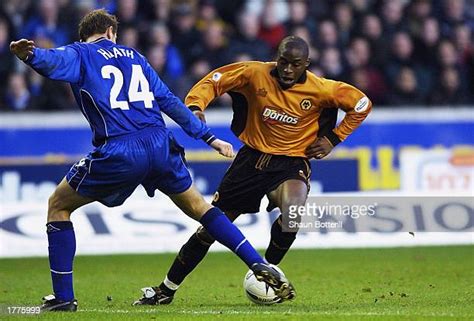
(280, 121)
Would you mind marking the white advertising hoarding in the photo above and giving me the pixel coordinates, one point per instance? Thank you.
(437, 171)
(144, 225)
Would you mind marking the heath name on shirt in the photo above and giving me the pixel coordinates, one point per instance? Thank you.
(115, 53)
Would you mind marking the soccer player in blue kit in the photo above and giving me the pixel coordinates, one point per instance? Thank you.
(122, 97)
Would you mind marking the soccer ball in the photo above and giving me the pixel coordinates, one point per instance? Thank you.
(259, 292)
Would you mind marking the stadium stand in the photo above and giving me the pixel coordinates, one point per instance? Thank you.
(400, 52)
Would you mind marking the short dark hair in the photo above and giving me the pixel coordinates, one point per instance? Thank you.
(95, 22)
(294, 42)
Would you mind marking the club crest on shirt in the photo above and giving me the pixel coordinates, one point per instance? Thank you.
(306, 104)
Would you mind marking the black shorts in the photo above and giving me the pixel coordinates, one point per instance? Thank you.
(254, 174)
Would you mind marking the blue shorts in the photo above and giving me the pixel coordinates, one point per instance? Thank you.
(150, 157)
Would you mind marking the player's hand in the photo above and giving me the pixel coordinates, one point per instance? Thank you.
(22, 48)
(200, 114)
(224, 148)
(320, 148)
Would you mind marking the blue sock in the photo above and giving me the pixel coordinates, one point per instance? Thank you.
(226, 233)
(62, 247)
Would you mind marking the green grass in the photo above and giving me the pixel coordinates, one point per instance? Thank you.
(424, 283)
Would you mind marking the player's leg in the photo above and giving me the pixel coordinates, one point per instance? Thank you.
(238, 193)
(216, 223)
(222, 230)
(188, 258)
(289, 193)
(231, 190)
(191, 254)
(171, 176)
(62, 246)
(109, 175)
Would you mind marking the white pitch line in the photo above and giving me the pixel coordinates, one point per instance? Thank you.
(289, 312)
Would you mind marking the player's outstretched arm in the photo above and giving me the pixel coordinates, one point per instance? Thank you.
(174, 107)
(224, 148)
(61, 63)
(22, 48)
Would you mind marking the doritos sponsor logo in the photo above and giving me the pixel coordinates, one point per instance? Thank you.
(272, 116)
(362, 105)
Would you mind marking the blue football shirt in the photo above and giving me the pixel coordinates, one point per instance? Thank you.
(116, 88)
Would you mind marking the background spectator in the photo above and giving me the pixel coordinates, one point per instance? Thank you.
(359, 58)
(418, 12)
(371, 29)
(159, 10)
(427, 41)
(129, 37)
(184, 33)
(449, 90)
(327, 35)
(159, 36)
(214, 45)
(272, 30)
(17, 95)
(331, 63)
(402, 55)
(127, 13)
(43, 27)
(299, 16)
(344, 18)
(405, 90)
(398, 51)
(392, 16)
(6, 58)
(246, 38)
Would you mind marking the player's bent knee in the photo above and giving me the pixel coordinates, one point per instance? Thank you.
(191, 203)
(290, 206)
(292, 203)
(197, 209)
(55, 203)
(58, 209)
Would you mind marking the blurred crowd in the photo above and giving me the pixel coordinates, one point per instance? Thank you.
(399, 52)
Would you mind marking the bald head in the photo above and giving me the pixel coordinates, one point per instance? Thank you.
(294, 43)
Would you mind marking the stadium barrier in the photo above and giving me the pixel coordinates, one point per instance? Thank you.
(409, 149)
(144, 225)
(63, 138)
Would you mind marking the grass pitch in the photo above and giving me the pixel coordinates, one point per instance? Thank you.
(424, 283)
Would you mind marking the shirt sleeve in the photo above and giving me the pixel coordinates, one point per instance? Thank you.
(63, 63)
(175, 109)
(218, 82)
(356, 105)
